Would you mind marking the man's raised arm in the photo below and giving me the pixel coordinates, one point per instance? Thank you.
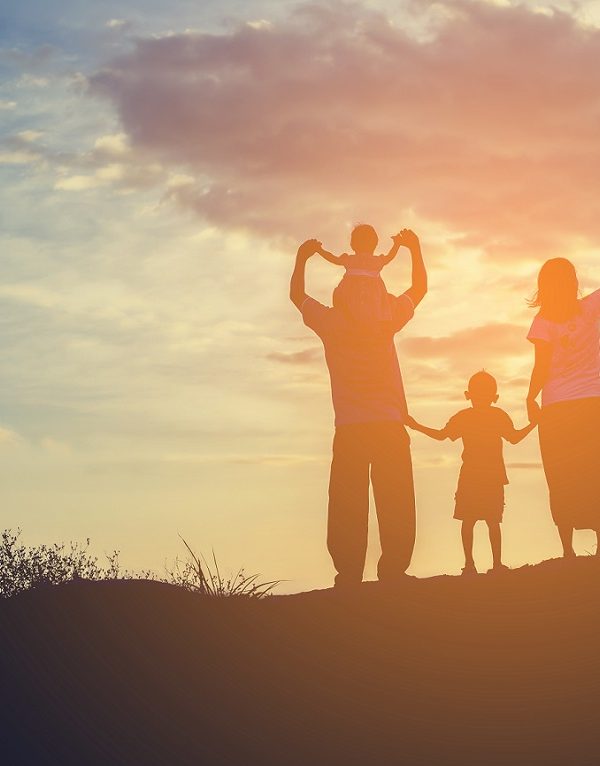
(416, 292)
(297, 292)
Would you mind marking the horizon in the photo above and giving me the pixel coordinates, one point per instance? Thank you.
(159, 168)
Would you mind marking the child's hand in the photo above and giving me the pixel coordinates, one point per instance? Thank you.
(411, 422)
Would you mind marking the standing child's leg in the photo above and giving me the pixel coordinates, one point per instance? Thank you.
(466, 533)
(598, 542)
(496, 543)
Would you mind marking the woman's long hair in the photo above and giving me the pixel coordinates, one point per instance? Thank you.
(558, 289)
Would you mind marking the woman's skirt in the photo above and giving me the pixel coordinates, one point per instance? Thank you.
(569, 435)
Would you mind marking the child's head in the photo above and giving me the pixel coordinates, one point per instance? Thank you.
(483, 389)
(364, 239)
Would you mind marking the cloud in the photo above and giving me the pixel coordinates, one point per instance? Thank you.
(501, 338)
(486, 122)
(8, 437)
(307, 356)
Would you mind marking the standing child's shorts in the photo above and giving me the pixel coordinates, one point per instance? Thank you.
(479, 497)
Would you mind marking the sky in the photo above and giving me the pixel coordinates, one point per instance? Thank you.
(159, 166)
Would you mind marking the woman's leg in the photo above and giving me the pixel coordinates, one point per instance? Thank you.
(466, 533)
(495, 542)
(566, 538)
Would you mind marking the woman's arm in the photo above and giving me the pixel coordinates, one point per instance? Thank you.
(539, 377)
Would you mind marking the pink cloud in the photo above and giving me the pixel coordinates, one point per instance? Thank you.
(488, 125)
(493, 347)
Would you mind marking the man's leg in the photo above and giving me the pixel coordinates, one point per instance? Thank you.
(348, 505)
(393, 488)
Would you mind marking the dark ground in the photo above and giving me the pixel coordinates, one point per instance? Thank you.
(490, 670)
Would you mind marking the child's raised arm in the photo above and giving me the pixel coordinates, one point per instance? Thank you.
(337, 259)
(439, 434)
(393, 251)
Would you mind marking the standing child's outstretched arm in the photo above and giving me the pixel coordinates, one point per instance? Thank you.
(517, 435)
(337, 259)
(435, 433)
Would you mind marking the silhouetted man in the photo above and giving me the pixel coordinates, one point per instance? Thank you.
(370, 439)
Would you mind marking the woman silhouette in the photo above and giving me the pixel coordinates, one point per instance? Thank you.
(566, 337)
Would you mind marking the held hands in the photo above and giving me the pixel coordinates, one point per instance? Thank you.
(533, 411)
(411, 422)
(406, 237)
(308, 248)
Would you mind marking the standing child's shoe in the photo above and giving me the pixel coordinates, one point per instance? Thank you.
(469, 570)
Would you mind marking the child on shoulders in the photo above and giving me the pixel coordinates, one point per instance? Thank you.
(480, 492)
(362, 285)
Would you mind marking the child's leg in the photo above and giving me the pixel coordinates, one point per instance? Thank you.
(466, 533)
(495, 542)
(598, 542)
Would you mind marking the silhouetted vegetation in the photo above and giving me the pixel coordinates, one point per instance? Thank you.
(28, 566)
(23, 567)
(195, 574)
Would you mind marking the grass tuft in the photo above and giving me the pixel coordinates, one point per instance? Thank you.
(195, 574)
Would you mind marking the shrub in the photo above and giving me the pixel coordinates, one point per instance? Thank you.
(23, 567)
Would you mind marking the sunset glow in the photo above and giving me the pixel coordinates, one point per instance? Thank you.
(158, 169)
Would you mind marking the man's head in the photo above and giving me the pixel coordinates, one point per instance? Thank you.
(363, 239)
(482, 390)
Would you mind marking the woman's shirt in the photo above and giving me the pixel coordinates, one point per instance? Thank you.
(575, 361)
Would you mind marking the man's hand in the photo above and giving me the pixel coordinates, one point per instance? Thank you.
(408, 238)
(308, 248)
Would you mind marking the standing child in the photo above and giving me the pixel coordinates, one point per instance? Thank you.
(480, 492)
(362, 287)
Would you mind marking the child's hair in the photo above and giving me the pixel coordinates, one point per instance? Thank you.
(557, 291)
(363, 238)
(483, 384)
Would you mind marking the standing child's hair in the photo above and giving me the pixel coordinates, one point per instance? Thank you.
(482, 384)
